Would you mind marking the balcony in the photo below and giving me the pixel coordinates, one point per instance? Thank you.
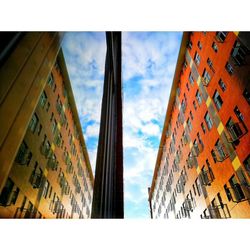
(221, 36)
(191, 161)
(58, 139)
(52, 163)
(219, 212)
(69, 168)
(25, 213)
(181, 118)
(78, 189)
(45, 150)
(36, 180)
(179, 187)
(61, 180)
(8, 197)
(175, 167)
(238, 192)
(183, 106)
(66, 158)
(23, 158)
(219, 153)
(197, 149)
(239, 53)
(59, 108)
(236, 131)
(189, 204)
(56, 207)
(207, 176)
(66, 189)
(168, 188)
(63, 119)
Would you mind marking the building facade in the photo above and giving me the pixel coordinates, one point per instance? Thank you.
(45, 170)
(203, 163)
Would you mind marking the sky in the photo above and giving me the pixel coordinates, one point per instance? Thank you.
(148, 65)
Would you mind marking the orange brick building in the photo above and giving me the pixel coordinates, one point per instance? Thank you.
(44, 165)
(203, 163)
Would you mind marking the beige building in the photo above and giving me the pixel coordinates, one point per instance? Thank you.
(45, 170)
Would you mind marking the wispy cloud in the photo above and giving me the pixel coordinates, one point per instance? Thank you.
(149, 61)
(85, 57)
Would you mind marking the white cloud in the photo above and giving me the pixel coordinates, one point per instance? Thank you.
(85, 57)
(149, 60)
(149, 64)
(92, 130)
(151, 129)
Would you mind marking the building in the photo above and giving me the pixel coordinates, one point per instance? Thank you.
(108, 188)
(203, 163)
(44, 166)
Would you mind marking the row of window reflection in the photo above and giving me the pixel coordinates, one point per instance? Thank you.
(37, 178)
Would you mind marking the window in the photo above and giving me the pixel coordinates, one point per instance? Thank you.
(52, 162)
(70, 139)
(208, 121)
(43, 99)
(54, 89)
(189, 124)
(39, 129)
(217, 100)
(239, 53)
(210, 63)
(36, 176)
(6, 195)
(215, 47)
(221, 36)
(191, 79)
(54, 126)
(194, 190)
(219, 154)
(229, 68)
(236, 130)
(59, 106)
(222, 85)
(206, 77)
(197, 59)
(52, 116)
(48, 106)
(198, 187)
(187, 85)
(185, 64)
(23, 156)
(246, 94)
(199, 45)
(246, 163)
(203, 128)
(236, 188)
(238, 114)
(198, 97)
(189, 45)
(50, 80)
(45, 189)
(33, 123)
(194, 104)
(207, 175)
(191, 115)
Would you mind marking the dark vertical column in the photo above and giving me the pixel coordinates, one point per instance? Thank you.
(108, 186)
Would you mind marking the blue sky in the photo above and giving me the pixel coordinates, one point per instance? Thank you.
(149, 60)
